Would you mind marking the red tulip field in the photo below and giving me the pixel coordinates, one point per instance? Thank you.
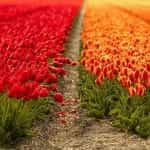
(31, 52)
(74, 75)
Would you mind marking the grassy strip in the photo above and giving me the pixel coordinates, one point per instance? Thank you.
(111, 100)
(17, 118)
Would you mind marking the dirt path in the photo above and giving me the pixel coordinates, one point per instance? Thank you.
(75, 131)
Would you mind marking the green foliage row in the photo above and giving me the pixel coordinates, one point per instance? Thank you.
(111, 100)
(17, 117)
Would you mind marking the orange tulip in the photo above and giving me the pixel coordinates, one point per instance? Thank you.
(147, 84)
(140, 89)
(116, 48)
(132, 91)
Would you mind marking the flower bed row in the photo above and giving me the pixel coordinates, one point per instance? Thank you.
(116, 48)
(32, 49)
(32, 61)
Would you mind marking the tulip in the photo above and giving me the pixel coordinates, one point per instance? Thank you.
(132, 91)
(57, 64)
(140, 89)
(1, 85)
(58, 97)
(147, 83)
(145, 75)
(43, 92)
(16, 91)
(53, 87)
(100, 79)
(61, 114)
(74, 63)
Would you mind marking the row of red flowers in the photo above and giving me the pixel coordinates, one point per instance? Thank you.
(31, 49)
(115, 45)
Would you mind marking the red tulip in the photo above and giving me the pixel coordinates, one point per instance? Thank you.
(53, 87)
(74, 63)
(16, 91)
(57, 64)
(58, 97)
(25, 50)
(36, 93)
(43, 92)
(61, 114)
(2, 85)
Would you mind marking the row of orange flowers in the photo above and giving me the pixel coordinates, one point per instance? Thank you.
(117, 44)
